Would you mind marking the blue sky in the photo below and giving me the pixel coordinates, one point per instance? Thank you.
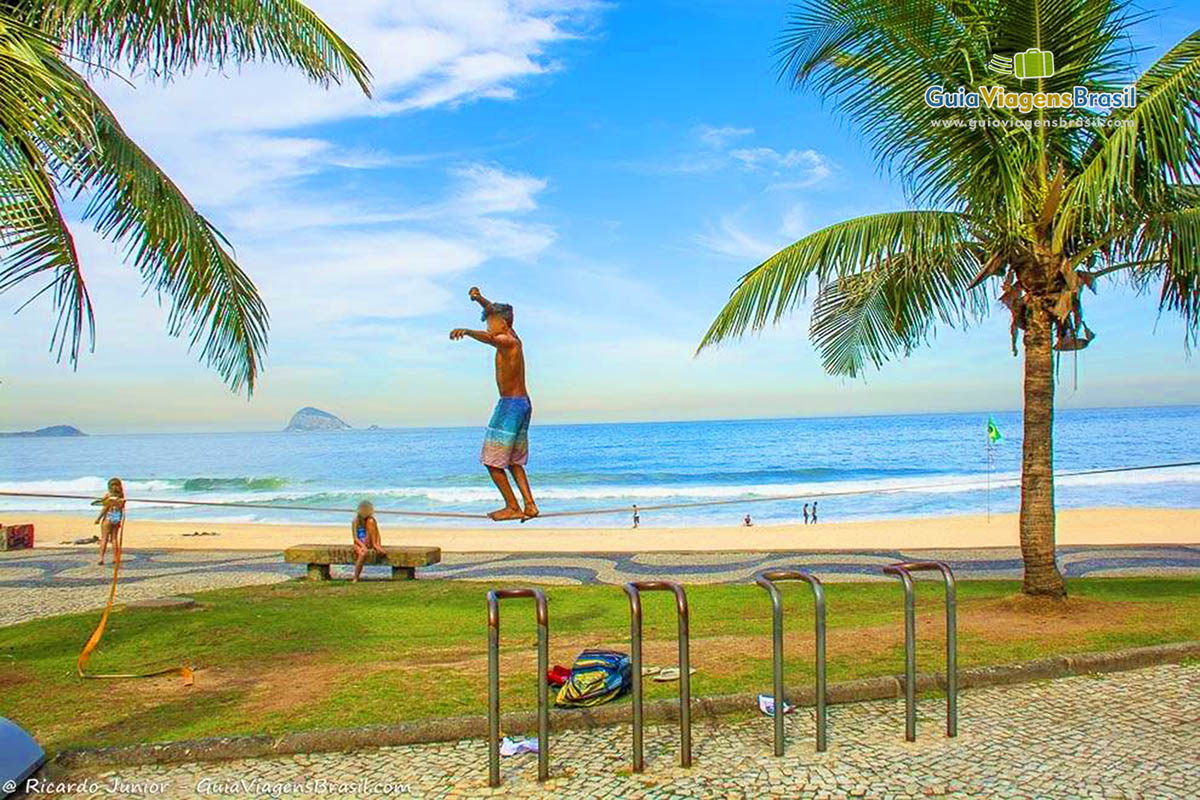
(610, 169)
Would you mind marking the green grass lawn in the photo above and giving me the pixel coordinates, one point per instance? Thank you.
(296, 655)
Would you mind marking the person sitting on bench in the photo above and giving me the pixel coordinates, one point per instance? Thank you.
(366, 536)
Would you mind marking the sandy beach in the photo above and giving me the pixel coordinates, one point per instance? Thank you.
(1077, 526)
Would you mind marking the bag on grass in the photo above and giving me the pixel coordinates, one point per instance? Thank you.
(597, 676)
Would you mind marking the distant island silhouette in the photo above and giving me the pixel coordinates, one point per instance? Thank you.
(314, 419)
(53, 430)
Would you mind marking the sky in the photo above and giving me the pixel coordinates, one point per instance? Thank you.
(611, 169)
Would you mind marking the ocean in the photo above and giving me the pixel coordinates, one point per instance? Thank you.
(866, 468)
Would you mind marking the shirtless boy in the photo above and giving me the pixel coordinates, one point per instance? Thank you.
(506, 444)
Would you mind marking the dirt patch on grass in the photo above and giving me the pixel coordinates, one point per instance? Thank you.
(12, 677)
(1019, 616)
(264, 688)
(284, 684)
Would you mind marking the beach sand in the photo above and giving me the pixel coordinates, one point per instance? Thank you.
(1075, 527)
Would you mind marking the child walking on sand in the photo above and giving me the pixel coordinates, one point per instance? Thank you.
(506, 445)
(112, 515)
(366, 536)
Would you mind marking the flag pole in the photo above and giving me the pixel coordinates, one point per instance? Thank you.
(988, 447)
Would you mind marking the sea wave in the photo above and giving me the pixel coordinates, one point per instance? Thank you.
(88, 484)
(282, 492)
(232, 484)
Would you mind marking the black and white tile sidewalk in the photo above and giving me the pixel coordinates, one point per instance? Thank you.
(1121, 735)
(46, 582)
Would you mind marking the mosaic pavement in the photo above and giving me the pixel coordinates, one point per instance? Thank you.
(68, 580)
(1123, 735)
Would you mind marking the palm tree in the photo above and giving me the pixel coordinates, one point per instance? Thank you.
(1032, 208)
(58, 139)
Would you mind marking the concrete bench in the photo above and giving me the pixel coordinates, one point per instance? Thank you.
(403, 560)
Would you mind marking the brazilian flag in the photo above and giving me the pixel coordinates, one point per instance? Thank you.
(993, 432)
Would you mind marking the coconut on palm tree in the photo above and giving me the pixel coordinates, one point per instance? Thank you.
(58, 139)
(1028, 207)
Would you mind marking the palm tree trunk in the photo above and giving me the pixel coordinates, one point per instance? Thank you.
(1037, 459)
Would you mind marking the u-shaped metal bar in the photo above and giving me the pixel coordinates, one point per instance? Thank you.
(903, 572)
(767, 581)
(543, 624)
(634, 591)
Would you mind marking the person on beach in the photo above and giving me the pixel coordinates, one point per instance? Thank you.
(112, 516)
(637, 518)
(506, 444)
(806, 513)
(747, 521)
(366, 537)
(814, 513)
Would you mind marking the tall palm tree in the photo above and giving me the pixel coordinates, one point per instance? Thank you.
(1032, 213)
(58, 139)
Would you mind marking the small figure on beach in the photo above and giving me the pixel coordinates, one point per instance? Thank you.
(637, 518)
(747, 521)
(806, 513)
(366, 536)
(814, 513)
(112, 516)
(506, 444)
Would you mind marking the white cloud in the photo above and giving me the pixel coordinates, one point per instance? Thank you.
(796, 168)
(793, 169)
(729, 238)
(342, 264)
(717, 137)
(421, 53)
(223, 135)
(487, 189)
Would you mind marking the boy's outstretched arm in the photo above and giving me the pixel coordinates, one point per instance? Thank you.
(494, 339)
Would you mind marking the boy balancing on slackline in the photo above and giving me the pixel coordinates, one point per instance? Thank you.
(506, 444)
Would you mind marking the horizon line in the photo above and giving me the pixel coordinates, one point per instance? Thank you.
(708, 420)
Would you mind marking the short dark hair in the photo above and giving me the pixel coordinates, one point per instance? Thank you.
(502, 310)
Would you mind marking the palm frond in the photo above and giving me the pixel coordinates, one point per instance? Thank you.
(168, 37)
(922, 239)
(43, 117)
(1135, 167)
(41, 107)
(180, 255)
(35, 241)
(873, 315)
(1164, 252)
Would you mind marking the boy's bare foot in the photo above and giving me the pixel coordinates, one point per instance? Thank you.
(505, 514)
(531, 510)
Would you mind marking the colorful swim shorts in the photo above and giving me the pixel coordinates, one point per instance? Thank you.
(507, 439)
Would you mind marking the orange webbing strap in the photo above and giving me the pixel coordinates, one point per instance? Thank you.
(184, 672)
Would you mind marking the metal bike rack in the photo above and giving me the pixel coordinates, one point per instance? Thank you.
(634, 591)
(767, 581)
(903, 572)
(493, 604)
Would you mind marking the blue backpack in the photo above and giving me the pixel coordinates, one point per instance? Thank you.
(597, 676)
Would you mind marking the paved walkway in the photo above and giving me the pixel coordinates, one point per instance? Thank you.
(44, 582)
(1124, 735)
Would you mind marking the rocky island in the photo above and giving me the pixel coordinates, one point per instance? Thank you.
(314, 419)
(53, 430)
